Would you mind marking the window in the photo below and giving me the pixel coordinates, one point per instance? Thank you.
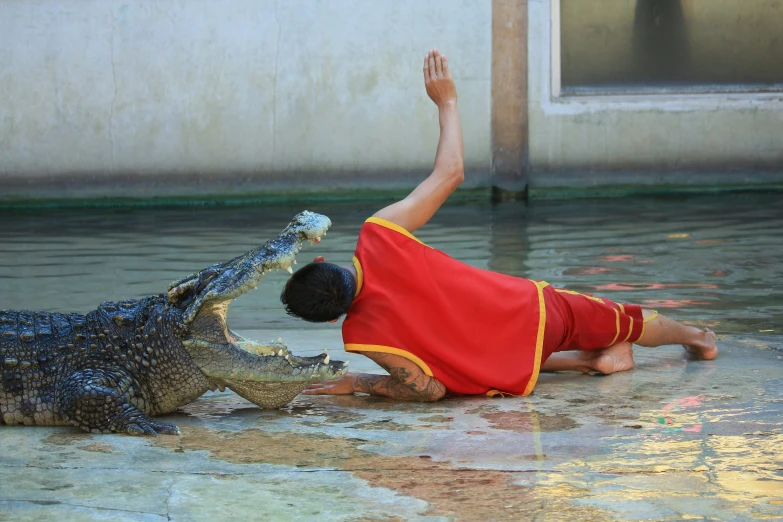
(627, 46)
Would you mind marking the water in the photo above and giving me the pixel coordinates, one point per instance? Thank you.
(706, 260)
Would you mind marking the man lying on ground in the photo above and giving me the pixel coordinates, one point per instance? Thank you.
(438, 325)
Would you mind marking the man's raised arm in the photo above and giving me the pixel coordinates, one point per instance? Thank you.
(421, 204)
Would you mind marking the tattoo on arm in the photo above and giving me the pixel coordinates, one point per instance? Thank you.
(388, 386)
(401, 383)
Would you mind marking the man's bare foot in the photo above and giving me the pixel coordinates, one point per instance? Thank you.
(705, 347)
(616, 358)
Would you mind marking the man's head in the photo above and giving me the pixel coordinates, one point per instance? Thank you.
(319, 292)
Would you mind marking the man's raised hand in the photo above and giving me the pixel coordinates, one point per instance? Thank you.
(437, 79)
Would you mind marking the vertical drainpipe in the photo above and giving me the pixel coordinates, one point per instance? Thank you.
(509, 99)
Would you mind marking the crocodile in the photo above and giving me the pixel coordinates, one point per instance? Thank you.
(119, 365)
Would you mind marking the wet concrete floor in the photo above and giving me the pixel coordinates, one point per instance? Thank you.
(672, 439)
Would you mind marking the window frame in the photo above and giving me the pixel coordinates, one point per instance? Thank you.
(700, 90)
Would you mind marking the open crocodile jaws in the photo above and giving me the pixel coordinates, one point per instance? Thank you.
(113, 368)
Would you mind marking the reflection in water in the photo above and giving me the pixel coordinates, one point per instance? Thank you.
(661, 51)
(714, 259)
(509, 243)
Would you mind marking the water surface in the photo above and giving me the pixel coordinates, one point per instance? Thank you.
(713, 260)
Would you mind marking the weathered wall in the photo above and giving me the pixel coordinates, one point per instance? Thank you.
(117, 90)
(580, 136)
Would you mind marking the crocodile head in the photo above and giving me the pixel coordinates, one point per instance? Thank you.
(266, 374)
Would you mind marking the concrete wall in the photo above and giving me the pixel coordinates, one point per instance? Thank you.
(163, 98)
(118, 93)
(601, 140)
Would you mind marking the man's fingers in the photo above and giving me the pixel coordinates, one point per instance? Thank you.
(322, 390)
(439, 64)
(426, 69)
(431, 64)
(445, 63)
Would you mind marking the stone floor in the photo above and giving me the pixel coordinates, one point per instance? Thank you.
(672, 439)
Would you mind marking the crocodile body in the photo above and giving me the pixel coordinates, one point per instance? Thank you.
(113, 368)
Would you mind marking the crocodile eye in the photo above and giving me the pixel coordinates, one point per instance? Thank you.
(209, 275)
(204, 279)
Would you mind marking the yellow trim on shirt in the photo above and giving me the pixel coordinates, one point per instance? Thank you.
(359, 275)
(388, 349)
(496, 393)
(616, 325)
(644, 324)
(564, 291)
(630, 328)
(540, 285)
(393, 226)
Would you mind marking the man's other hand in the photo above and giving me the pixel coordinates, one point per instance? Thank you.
(342, 386)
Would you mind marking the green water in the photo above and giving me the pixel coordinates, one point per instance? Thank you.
(713, 260)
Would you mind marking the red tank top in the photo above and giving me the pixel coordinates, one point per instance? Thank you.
(474, 330)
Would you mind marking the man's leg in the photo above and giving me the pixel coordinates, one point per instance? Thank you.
(616, 358)
(658, 330)
(661, 330)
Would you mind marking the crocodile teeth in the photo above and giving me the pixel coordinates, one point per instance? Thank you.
(294, 261)
(280, 353)
(280, 340)
(326, 360)
(290, 270)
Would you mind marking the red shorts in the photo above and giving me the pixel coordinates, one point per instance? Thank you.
(577, 321)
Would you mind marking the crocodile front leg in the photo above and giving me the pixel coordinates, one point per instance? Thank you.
(100, 402)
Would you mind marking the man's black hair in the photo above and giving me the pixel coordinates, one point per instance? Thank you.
(319, 292)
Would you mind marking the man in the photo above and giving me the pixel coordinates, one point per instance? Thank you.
(440, 326)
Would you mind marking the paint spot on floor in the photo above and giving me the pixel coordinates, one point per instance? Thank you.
(437, 418)
(529, 421)
(384, 425)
